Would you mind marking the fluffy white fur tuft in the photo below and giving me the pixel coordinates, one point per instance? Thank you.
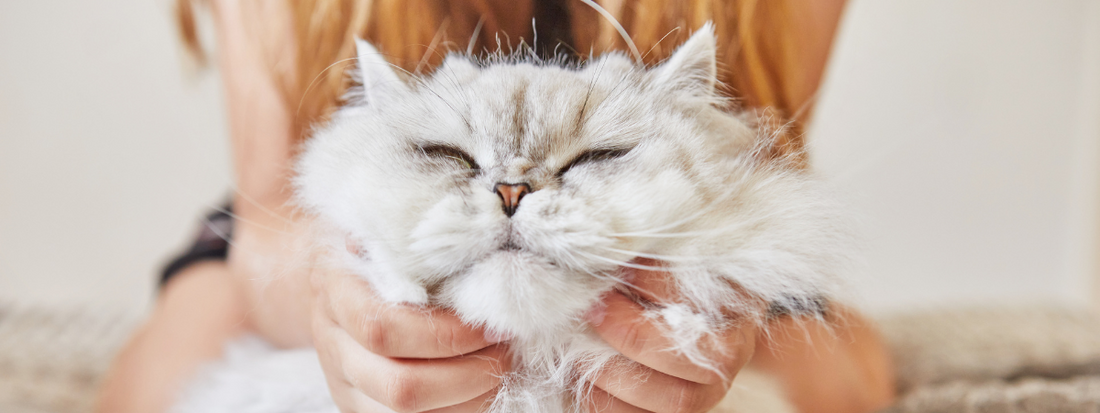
(256, 378)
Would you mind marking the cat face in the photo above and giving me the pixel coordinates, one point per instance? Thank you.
(514, 191)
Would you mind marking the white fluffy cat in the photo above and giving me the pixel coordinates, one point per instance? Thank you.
(513, 190)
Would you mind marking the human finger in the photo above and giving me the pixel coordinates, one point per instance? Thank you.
(625, 327)
(346, 397)
(408, 385)
(646, 279)
(396, 330)
(650, 390)
(600, 401)
(477, 404)
(350, 400)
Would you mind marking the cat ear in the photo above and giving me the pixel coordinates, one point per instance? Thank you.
(376, 74)
(692, 67)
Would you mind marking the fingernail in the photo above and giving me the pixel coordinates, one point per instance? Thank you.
(596, 314)
(494, 336)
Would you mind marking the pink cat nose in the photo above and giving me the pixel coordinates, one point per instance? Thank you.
(511, 194)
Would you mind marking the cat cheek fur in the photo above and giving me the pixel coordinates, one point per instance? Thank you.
(456, 231)
(567, 231)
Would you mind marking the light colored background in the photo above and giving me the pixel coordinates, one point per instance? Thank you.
(109, 150)
(966, 135)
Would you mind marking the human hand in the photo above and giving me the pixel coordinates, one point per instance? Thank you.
(671, 383)
(377, 356)
(382, 357)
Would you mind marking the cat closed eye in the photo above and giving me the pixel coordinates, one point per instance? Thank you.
(594, 155)
(451, 153)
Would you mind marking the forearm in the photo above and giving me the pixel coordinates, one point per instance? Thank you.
(277, 289)
(268, 255)
(841, 367)
(252, 37)
(197, 312)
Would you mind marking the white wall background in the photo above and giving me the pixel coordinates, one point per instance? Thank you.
(108, 149)
(965, 132)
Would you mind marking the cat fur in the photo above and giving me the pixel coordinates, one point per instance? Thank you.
(690, 185)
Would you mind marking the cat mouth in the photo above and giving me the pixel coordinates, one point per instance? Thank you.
(511, 247)
(510, 243)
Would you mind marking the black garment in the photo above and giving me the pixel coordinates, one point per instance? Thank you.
(211, 243)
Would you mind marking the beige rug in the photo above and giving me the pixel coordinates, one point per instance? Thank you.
(51, 360)
(979, 360)
(1030, 395)
(996, 360)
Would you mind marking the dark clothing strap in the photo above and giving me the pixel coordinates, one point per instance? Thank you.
(211, 243)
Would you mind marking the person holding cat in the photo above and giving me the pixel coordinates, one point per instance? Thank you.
(280, 62)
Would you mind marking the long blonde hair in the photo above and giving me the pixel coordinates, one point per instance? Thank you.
(758, 60)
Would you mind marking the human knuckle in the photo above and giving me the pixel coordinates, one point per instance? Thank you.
(403, 392)
(632, 338)
(686, 397)
(451, 337)
(376, 337)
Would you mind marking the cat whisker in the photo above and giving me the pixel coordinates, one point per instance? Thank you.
(614, 93)
(214, 228)
(465, 119)
(698, 213)
(622, 263)
(666, 258)
(238, 218)
(714, 203)
(651, 49)
(244, 196)
(626, 264)
(599, 274)
(619, 27)
(312, 83)
(455, 85)
(473, 37)
(719, 230)
(662, 234)
(582, 115)
(237, 247)
(432, 46)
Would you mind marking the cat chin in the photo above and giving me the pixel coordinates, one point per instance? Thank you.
(523, 295)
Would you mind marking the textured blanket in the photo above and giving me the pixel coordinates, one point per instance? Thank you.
(962, 360)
